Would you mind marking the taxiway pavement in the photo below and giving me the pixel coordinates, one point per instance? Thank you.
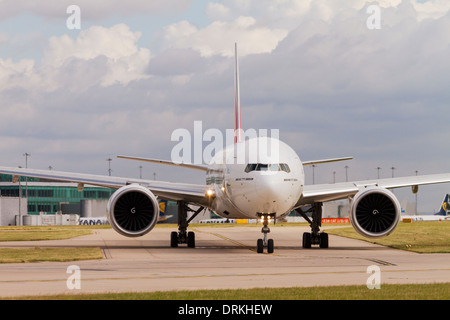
(225, 258)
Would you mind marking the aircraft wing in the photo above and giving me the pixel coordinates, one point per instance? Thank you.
(337, 191)
(165, 162)
(310, 163)
(191, 193)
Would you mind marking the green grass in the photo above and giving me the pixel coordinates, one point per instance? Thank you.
(421, 237)
(40, 235)
(33, 233)
(439, 291)
(20, 255)
(58, 227)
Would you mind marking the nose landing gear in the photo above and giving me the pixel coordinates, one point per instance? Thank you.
(265, 243)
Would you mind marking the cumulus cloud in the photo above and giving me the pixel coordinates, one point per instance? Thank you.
(288, 14)
(118, 44)
(113, 43)
(217, 11)
(218, 37)
(431, 9)
(260, 25)
(98, 56)
(15, 73)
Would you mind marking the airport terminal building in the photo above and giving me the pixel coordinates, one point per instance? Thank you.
(39, 197)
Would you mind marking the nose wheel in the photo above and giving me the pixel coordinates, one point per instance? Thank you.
(264, 242)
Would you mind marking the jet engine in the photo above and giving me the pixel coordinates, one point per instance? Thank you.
(133, 210)
(375, 212)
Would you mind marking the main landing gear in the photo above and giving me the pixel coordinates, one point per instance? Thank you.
(265, 243)
(182, 236)
(315, 237)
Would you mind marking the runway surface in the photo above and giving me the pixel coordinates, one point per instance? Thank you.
(225, 257)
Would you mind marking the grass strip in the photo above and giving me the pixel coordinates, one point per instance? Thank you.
(420, 237)
(436, 291)
(20, 255)
(39, 235)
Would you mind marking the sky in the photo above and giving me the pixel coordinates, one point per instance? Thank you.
(135, 71)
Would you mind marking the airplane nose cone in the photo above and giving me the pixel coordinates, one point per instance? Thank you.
(265, 193)
(272, 195)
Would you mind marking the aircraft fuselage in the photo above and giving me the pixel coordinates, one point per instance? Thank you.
(257, 176)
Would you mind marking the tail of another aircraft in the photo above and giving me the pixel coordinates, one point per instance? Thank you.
(443, 211)
(163, 211)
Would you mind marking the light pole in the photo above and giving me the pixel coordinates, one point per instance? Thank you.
(26, 155)
(109, 166)
(20, 199)
(393, 168)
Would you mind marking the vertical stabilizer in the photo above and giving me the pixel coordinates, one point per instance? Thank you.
(237, 101)
(443, 211)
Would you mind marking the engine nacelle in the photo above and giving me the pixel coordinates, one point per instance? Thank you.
(133, 210)
(375, 212)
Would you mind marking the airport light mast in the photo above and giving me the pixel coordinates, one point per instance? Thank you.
(26, 155)
(109, 166)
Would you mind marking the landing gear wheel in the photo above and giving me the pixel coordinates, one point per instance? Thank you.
(323, 240)
(183, 236)
(259, 246)
(307, 240)
(174, 239)
(191, 239)
(265, 230)
(270, 246)
(315, 237)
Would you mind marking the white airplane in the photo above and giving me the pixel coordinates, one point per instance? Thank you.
(442, 215)
(267, 185)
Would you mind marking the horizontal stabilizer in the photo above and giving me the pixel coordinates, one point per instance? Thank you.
(170, 163)
(309, 163)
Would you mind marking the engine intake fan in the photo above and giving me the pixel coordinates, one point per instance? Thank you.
(133, 210)
(375, 212)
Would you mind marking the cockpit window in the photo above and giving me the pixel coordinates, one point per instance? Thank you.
(285, 167)
(267, 167)
(274, 167)
(262, 167)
